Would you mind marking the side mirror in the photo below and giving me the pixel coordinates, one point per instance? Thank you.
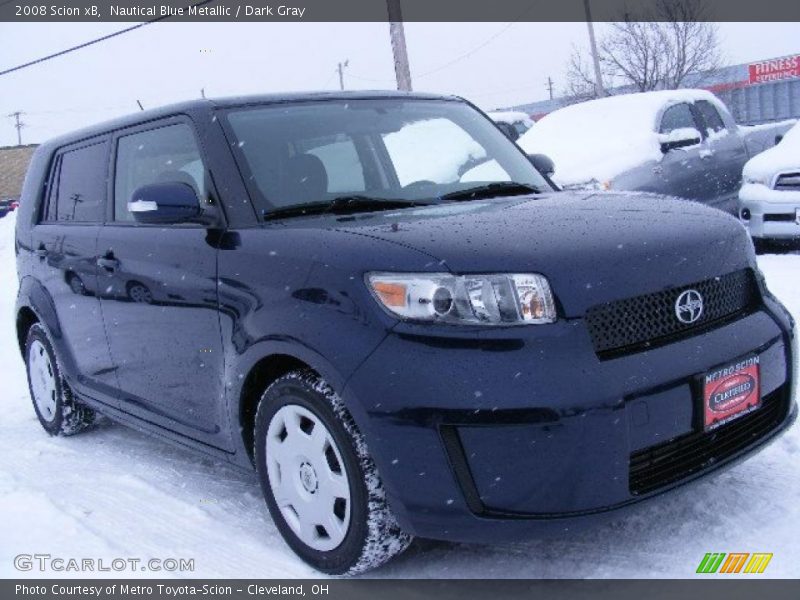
(679, 138)
(510, 131)
(165, 203)
(543, 164)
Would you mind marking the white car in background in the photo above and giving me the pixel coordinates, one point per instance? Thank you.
(769, 201)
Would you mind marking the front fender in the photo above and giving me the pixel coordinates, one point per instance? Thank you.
(239, 368)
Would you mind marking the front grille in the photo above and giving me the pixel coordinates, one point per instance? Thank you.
(661, 465)
(781, 218)
(636, 324)
(788, 182)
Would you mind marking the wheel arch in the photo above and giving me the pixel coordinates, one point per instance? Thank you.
(264, 372)
(26, 318)
(35, 305)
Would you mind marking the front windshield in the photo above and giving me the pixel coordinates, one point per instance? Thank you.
(385, 149)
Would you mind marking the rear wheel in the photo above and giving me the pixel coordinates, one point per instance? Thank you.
(320, 484)
(56, 408)
(138, 292)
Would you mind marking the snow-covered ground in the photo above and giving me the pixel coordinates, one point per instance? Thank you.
(115, 493)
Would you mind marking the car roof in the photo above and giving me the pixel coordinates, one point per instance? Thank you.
(209, 104)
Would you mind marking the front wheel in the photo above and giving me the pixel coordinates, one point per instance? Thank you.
(320, 484)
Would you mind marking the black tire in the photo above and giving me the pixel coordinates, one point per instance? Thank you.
(139, 292)
(373, 536)
(69, 416)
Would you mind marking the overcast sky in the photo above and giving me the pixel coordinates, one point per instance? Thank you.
(493, 64)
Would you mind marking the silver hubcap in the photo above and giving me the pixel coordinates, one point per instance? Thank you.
(308, 477)
(43, 380)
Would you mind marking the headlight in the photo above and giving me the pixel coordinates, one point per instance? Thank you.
(755, 180)
(468, 299)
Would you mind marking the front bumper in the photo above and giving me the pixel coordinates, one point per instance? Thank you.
(494, 435)
(773, 214)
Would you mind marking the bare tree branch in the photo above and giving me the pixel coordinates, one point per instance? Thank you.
(660, 49)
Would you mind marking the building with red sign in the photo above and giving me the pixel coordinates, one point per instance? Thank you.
(758, 92)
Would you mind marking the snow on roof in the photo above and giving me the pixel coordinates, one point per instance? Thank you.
(600, 139)
(509, 116)
(783, 157)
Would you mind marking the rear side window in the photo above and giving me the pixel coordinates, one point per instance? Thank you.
(79, 185)
(164, 155)
(710, 115)
(678, 116)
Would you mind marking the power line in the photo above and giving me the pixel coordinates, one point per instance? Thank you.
(468, 53)
(95, 41)
(455, 60)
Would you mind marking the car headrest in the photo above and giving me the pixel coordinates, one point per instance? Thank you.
(307, 179)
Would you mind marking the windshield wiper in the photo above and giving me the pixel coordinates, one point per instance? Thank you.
(490, 190)
(341, 205)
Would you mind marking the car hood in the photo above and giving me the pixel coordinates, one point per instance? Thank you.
(592, 247)
(780, 158)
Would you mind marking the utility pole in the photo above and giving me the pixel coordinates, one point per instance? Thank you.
(340, 68)
(549, 86)
(598, 76)
(402, 70)
(18, 124)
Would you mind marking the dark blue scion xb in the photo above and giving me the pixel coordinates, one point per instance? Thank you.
(378, 301)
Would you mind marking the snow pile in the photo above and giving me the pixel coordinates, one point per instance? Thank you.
(433, 150)
(593, 142)
(783, 157)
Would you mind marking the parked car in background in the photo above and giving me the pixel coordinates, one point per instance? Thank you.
(8, 205)
(769, 200)
(513, 123)
(680, 143)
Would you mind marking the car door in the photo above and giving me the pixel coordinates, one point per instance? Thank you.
(65, 243)
(158, 290)
(728, 156)
(682, 172)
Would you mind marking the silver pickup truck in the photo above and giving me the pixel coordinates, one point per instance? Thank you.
(681, 143)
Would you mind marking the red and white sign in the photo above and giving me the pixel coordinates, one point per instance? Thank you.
(731, 392)
(775, 69)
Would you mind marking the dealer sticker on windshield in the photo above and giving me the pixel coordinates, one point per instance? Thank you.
(731, 392)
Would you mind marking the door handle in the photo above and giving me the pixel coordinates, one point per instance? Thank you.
(108, 262)
(41, 252)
